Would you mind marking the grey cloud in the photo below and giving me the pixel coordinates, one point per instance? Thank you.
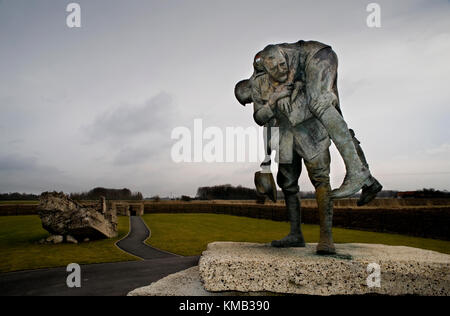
(130, 155)
(443, 149)
(122, 128)
(153, 116)
(14, 141)
(14, 162)
(157, 151)
(26, 174)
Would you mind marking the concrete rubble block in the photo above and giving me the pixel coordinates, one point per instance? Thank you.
(71, 240)
(63, 216)
(55, 239)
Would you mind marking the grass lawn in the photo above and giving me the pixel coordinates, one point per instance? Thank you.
(19, 249)
(189, 234)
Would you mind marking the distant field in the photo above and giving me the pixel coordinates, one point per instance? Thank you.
(19, 249)
(189, 234)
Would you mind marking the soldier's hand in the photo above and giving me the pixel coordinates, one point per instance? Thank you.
(284, 105)
(285, 90)
(281, 92)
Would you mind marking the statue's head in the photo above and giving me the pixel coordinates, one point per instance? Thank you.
(274, 62)
(243, 92)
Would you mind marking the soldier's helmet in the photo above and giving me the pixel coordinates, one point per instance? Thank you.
(265, 184)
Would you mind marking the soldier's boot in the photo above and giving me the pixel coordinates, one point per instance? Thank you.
(295, 237)
(369, 192)
(357, 175)
(325, 206)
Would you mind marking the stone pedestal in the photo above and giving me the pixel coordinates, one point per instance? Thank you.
(229, 268)
(247, 267)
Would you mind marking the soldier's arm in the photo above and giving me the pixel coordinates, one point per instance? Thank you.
(264, 108)
(262, 112)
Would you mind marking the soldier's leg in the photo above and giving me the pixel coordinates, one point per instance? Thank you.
(369, 192)
(287, 179)
(319, 173)
(321, 74)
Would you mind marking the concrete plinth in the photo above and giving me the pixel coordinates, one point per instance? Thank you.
(229, 268)
(245, 267)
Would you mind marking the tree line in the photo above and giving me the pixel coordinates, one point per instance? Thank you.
(109, 194)
(16, 196)
(425, 194)
(226, 192)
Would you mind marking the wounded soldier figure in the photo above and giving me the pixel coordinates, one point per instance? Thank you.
(294, 88)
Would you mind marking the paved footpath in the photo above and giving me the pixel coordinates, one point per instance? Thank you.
(103, 278)
(134, 242)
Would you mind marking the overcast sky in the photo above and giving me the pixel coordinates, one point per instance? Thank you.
(95, 106)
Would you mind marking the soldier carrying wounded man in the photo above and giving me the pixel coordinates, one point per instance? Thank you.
(294, 88)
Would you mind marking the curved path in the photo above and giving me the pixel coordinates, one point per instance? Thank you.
(134, 244)
(117, 278)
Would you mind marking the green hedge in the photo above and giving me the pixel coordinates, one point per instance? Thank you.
(425, 222)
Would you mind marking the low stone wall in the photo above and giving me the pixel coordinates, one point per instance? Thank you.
(128, 209)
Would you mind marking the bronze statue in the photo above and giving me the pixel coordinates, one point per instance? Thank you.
(294, 88)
